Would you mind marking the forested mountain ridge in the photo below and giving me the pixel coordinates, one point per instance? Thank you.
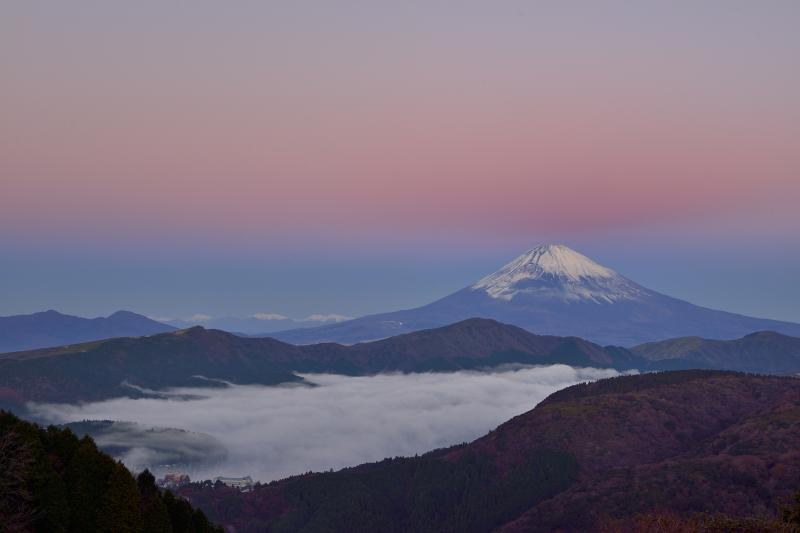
(51, 481)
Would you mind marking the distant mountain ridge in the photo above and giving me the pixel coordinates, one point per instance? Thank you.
(193, 357)
(51, 328)
(554, 290)
(142, 366)
(762, 351)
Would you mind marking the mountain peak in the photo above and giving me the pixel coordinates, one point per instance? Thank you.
(562, 261)
(557, 271)
(124, 314)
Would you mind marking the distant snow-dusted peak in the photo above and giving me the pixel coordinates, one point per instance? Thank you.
(557, 271)
(562, 261)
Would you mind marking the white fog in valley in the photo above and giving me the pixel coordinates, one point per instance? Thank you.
(273, 432)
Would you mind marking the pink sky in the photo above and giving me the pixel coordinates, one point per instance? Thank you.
(396, 120)
(398, 128)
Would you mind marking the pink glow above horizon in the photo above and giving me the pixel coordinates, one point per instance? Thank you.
(505, 119)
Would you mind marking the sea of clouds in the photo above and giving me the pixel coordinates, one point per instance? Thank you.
(337, 421)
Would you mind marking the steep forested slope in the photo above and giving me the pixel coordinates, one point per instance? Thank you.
(51, 481)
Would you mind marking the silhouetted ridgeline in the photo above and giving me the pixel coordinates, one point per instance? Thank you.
(51, 481)
(51, 328)
(201, 357)
(625, 384)
(764, 352)
(105, 369)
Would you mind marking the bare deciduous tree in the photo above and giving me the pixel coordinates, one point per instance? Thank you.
(16, 512)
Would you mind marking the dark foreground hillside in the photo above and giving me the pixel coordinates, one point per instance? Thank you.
(606, 456)
(52, 481)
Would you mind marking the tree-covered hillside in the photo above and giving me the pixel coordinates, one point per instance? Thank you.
(51, 481)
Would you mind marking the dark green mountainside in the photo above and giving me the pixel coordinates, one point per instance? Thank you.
(51, 481)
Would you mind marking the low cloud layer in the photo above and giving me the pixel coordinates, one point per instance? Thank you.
(273, 432)
(140, 446)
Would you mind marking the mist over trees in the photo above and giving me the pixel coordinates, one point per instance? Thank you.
(52, 481)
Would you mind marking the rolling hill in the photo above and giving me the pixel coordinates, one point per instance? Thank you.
(762, 351)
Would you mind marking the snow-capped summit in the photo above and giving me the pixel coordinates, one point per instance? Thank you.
(547, 261)
(554, 290)
(555, 271)
(563, 261)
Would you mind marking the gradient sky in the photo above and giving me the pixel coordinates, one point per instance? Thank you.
(175, 158)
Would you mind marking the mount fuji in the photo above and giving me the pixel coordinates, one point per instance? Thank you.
(555, 290)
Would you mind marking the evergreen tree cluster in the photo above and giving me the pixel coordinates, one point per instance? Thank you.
(52, 481)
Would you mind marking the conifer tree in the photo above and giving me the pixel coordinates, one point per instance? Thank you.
(87, 477)
(155, 517)
(119, 511)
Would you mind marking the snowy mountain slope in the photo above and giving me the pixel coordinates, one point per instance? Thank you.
(554, 290)
(558, 273)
